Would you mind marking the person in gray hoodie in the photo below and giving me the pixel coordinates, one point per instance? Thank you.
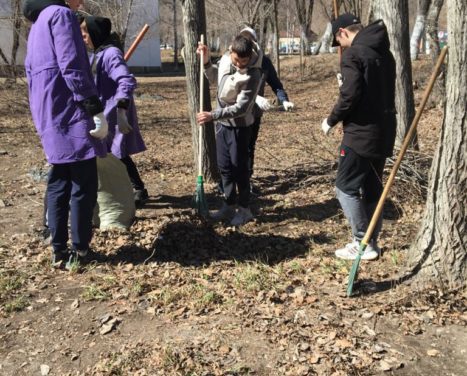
(238, 76)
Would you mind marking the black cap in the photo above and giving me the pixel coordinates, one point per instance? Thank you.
(341, 22)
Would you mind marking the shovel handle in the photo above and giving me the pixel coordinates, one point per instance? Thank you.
(138, 39)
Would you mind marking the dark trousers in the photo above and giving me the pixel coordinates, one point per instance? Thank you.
(232, 159)
(133, 173)
(359, 187)
(252, 145)
(71, 187)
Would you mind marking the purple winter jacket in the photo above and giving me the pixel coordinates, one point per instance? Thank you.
(60, 80)
(114, 83)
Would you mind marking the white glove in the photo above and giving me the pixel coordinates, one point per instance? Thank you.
(326, 127)
(102, 128)
(340, 80)
(288, 106)
(263, 103)
(122, 121)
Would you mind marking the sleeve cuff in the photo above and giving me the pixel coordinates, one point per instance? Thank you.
(216, 114)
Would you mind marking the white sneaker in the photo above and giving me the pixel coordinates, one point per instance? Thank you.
(225, 212)
(350, 252)
(242, 216)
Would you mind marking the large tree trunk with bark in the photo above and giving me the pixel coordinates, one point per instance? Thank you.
(194, 24)
(175, 30)
(419, 28)
(395, 14)
(438, 94)
(304, 15)
(326, 40)
(439, 252)
(275, 47)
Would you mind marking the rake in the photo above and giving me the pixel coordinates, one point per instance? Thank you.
(199, 196)
(408, 138)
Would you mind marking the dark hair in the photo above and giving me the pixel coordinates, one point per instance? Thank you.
(246, 34)
(355, 28)
(242, 46)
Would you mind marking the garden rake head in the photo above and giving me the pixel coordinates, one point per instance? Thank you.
(199, 198)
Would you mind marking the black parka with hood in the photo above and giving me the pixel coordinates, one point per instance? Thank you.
(366, 104)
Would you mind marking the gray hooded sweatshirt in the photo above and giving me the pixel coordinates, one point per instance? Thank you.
(236, 89)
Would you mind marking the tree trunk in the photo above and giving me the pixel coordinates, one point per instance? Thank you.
(418, 28)
(395, 14)
(16, 8)
(326, 40)
(440, 249)
(304, 10)
(194, 24)
(175, 25)
(276, 40)
(432, 33)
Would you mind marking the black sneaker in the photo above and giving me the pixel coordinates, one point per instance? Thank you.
(78, 258)
(59, 258)
(141, 197)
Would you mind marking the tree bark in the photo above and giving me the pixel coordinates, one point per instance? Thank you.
(16, 8)
(194, 24)
(304, 15)
(175, 30)
(395, 14)
(439, 252)
(419, 27)
(276, 40)
(326, 40)
(432, 34)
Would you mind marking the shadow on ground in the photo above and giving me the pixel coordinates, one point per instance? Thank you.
(197, 243)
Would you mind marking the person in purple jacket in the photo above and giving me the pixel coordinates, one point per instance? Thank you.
(115, 85)
(69, 119)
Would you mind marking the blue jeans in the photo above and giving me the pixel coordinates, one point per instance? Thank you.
(71, 188)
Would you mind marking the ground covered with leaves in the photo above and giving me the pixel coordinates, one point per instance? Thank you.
(181, 296)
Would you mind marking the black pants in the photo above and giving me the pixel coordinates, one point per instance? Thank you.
(133, 173)
(232, 158)
(359, 176)
(252, 145)
(71, 188)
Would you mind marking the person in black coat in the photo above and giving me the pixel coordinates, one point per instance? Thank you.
(366, 108)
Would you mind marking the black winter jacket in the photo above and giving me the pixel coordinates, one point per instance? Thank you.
(366, 102)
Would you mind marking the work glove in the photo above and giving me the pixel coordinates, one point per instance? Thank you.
(102, 128)
(326, 127)
(263, 103)
(340, 80)
(288, 106)
(122, 121)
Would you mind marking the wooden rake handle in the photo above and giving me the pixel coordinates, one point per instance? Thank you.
(138, 39)
(405, 146)
(201, 108)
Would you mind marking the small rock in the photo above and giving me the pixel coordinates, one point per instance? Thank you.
(367, 315)
(385, 366)
(433, 352)
(224, 349)
(75, 304)
(45, 369)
